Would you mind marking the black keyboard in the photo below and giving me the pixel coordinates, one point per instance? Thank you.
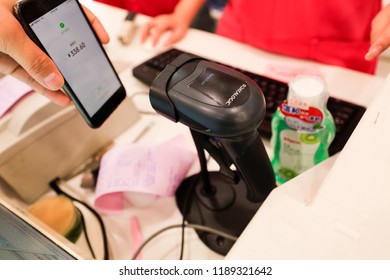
(346, 115)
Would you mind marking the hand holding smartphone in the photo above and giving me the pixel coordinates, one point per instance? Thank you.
(62, 30)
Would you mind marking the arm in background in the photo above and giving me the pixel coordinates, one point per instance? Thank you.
(177, 22)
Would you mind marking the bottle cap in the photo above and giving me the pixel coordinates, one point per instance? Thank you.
(307, 91)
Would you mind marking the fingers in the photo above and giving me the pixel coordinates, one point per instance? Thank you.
(22, 58)
(380, 33)
(156, 35)
(10, 67)
(157, 27)
(154, 29)
(380, 41)
(57, 96)
(97, 26)
(176, 35)
(146, 30)
(373, 52)
(379, 44)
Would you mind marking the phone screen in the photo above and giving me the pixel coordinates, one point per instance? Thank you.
(66, 36)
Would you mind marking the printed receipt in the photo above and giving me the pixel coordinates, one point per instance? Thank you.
(155, 169)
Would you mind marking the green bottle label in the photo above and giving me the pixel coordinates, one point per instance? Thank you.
(301, 118)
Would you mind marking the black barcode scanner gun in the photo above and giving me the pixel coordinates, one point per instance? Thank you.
(223, 109)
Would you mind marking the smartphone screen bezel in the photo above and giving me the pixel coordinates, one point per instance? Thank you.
(28, 11)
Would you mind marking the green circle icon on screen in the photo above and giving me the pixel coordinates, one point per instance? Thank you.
(62, 25)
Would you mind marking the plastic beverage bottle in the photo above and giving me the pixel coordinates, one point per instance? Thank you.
(302, 128)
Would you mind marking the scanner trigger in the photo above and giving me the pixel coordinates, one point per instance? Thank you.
(210, 144)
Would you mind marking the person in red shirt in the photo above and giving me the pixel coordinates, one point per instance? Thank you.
(351, 33)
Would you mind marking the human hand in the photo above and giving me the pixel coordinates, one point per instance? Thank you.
(380, 33)
(23, 59)
(156, 27)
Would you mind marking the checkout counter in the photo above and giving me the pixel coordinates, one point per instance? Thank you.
(337, 210)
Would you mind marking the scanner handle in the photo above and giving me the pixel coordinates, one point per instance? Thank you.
(251, 160)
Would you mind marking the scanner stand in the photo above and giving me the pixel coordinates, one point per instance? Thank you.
(215, 199)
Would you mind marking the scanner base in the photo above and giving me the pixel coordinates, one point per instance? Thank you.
(226, 209)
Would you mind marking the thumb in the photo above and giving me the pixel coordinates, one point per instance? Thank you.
(29, 56)
(38, 65)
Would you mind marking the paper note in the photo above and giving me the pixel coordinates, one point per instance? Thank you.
(11, 90)
(287, 73)
(156, 169)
